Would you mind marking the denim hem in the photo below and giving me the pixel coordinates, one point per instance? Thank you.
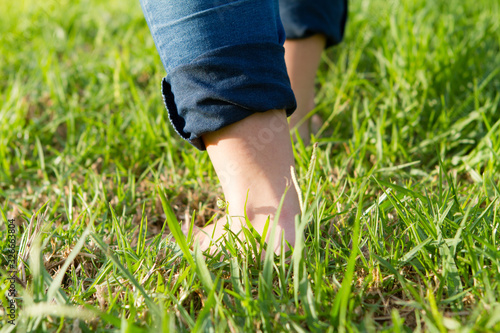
(302, 19)
(224, 86)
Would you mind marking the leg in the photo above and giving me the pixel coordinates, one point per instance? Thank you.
(310, 27)
(227, 91)
(302, 58)
(254, 156)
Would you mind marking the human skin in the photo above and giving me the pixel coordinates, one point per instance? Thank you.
(302, 58)
(253, 160)
(254, 156)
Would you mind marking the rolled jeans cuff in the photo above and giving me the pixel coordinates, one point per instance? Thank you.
(226, 85)
(304, 18)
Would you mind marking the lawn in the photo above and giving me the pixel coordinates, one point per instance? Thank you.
(400, 188)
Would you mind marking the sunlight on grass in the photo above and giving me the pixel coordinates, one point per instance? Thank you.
(400, 194)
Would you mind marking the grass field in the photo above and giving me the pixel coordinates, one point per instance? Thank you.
(401, 211)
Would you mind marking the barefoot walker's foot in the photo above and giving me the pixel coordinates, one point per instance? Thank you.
(302, 57)
(254, 156)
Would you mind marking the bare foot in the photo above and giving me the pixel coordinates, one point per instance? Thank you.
(252, 159)
(213, 236)
(302, 58)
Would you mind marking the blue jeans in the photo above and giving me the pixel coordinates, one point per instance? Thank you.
(225, 58)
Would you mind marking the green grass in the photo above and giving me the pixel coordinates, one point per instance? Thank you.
(401, 204)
